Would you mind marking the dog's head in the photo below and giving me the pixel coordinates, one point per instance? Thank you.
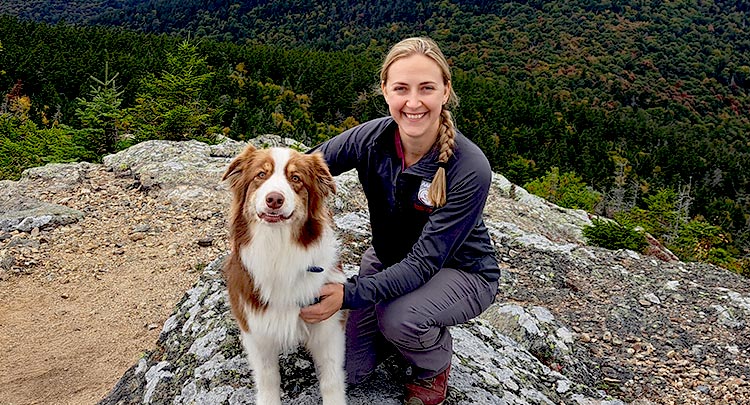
(278, 187)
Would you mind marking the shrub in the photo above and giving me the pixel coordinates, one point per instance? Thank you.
(566, 190)
(612, 235)
(700, 241)
(520, 170)
(23, 145)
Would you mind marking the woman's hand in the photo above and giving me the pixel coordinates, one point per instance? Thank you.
(331, 300)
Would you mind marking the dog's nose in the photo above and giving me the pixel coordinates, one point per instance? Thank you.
(274, 200)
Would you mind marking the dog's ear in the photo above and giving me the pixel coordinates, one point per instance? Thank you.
(239, 164)
(325, 183)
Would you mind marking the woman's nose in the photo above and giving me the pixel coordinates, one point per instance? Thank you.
(412, 100)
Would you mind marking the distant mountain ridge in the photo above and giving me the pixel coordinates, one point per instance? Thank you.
(685, 60)
(489, 37)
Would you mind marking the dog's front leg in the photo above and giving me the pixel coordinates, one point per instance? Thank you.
(326, 345)
(263, 355)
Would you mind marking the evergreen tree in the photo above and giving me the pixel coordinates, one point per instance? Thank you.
(173, 105)
(566, 190)
(102, 113)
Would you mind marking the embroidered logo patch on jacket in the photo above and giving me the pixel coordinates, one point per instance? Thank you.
(424, 203)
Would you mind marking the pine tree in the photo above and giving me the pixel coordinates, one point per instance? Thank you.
(102, 113)
(172, 105)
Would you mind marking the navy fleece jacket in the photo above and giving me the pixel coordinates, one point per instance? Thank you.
(411, 238)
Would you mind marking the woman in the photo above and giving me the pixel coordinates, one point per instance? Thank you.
(432, 263)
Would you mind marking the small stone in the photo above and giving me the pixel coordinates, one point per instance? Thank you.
(64, 296)
(703, 389)
(563, 386)
(203, 215)
(142, 228)
(7, 261)
(585, 337)
(206, 242)
(734, 381)
(651, 297)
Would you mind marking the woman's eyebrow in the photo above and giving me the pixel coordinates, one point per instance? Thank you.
(405, 83)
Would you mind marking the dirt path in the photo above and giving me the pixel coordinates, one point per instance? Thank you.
(81, 303)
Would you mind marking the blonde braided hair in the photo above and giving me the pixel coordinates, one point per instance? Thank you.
(447, 141)
(447, 136)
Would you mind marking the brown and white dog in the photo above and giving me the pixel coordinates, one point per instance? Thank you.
(283, 250)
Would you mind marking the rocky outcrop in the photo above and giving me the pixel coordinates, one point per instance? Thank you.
(200, 360)
(572, 323)
(19, 212)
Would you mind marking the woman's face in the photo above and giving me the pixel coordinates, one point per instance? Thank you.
(415, 93)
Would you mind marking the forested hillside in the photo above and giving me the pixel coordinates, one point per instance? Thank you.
(645, 102)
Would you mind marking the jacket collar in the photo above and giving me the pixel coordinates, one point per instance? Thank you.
(425, 167)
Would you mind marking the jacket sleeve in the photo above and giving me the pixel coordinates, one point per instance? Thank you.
(345, 151)
(445, 231)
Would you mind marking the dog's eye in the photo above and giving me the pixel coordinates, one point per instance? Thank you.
(296, 178)
(261, 175)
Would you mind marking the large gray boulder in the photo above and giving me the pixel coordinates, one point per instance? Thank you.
(199, 360)
(24, 212)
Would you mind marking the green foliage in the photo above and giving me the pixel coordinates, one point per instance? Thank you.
(173, 105)
(262, 108)
(689, 240)
(23, 145)
(566, 190)
(665, 215)
(701, 241)
(520, 170)
(612, 235)
(658, 218)
(102, 113)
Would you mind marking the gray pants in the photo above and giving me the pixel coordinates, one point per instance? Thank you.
(415, 324)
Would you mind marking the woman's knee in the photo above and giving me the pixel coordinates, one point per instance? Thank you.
(402, 326)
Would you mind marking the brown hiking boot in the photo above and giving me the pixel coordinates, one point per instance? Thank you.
(428, 391)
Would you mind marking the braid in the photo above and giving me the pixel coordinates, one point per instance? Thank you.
(447, 141)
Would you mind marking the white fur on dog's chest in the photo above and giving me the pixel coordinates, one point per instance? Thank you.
(281, 327)
(283, 282)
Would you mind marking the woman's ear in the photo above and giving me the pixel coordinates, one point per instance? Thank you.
(383, 91)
